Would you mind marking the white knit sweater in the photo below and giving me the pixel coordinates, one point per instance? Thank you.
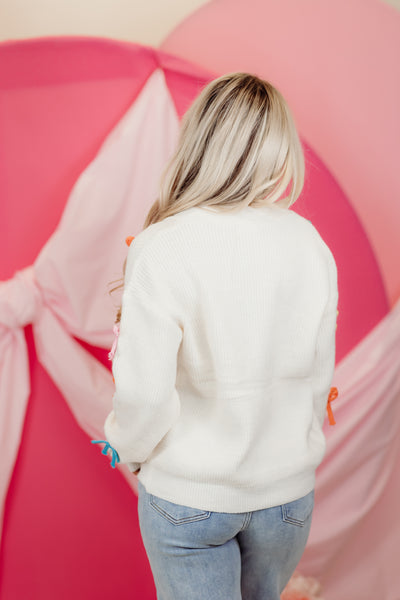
(225, 358)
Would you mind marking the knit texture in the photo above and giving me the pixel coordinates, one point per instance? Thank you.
(225, 358)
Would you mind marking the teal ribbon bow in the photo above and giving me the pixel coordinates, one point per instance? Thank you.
(115, 456)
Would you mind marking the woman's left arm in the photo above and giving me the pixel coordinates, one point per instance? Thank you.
(145, 403)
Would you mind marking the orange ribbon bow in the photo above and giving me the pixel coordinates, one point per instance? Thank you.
(333, 394)
(129, 239)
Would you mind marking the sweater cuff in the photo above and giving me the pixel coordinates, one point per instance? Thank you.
(110, 436)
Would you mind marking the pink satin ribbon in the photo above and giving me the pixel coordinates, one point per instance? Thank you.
(114, 346)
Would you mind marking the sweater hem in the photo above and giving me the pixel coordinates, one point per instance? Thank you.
(220, 497)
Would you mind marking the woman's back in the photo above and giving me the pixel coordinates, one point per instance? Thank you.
(254, 295)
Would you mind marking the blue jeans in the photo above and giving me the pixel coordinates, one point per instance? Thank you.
(202, 555)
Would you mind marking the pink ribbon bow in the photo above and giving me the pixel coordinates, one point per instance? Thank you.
(114, 346)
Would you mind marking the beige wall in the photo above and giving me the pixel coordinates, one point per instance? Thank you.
(395, 3)
(143, 21)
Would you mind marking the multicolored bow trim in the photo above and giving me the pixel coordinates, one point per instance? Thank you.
(115, 456)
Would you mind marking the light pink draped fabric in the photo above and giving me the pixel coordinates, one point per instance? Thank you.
(355, 534)
(55, 294)
(353, 528)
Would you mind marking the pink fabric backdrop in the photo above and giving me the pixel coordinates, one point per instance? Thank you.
(59, 499)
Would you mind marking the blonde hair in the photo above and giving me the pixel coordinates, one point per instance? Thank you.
(238, 146)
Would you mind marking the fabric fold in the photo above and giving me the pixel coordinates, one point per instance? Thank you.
(64, 294)
(362, 449)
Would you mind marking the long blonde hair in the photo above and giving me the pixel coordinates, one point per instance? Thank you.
(238, 146)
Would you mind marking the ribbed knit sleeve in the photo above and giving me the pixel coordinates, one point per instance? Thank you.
(146, 403)
(324, 364)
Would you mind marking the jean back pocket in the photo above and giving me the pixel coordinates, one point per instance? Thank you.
(177, 514)
(298, 511)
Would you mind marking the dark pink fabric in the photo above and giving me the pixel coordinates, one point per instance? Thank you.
(71, 531)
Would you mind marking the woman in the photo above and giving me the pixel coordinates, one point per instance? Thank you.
(226, 353)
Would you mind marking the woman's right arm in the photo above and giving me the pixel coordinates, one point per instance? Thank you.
(325, 351)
